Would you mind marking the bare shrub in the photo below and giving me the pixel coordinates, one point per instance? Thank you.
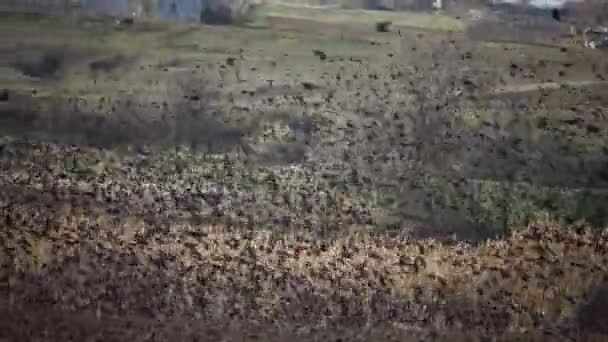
(383, 26)
(49, 64)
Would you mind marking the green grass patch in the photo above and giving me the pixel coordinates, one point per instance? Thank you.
(558, 125)
(498, 205)
(429, 21)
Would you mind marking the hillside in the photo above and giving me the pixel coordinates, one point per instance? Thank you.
(298, 177)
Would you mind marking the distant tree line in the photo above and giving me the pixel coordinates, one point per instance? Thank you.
(591, 12)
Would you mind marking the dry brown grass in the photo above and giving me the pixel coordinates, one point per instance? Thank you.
(534, 285)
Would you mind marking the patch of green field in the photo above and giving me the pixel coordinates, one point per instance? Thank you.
(499, 205)
(409, 19)
(80, 42)
(147, 44)
(532, 127)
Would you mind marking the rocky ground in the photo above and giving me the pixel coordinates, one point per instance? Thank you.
(298, 180)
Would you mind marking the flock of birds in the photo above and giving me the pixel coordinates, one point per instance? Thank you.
(267, 205)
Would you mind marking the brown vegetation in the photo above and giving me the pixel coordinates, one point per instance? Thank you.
(537, 284)
(285, 185)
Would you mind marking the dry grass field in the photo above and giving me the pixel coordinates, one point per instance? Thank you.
(299, 177)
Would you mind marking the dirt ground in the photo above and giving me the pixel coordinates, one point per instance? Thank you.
(295, 178)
